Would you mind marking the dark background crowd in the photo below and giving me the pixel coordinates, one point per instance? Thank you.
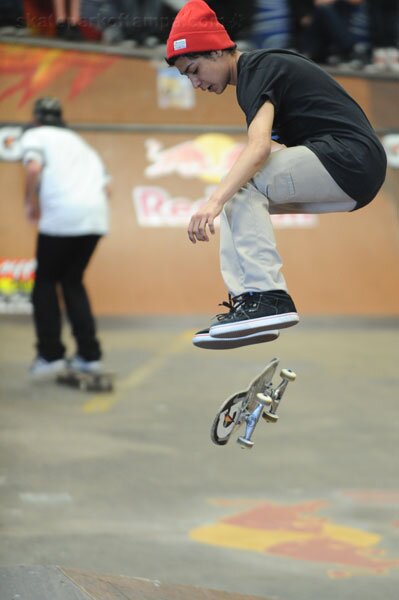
(354, 33)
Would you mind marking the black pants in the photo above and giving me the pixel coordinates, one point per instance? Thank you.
(61, 262)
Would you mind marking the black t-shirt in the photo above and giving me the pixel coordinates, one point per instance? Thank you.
(313, 110)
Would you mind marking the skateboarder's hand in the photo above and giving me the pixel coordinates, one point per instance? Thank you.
(203, 220)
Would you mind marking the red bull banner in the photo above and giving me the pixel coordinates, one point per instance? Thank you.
(16, 283)
(205, 158)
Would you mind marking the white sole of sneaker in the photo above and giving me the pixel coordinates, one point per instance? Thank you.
(260, 325)
(206, 341)
(49, 372)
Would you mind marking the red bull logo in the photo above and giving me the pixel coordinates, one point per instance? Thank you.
(207, 157)
(298, 532)
(156, 208)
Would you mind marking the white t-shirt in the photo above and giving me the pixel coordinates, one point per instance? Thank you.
(72, 197)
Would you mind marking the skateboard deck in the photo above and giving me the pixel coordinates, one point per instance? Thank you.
(102, 381)
(260, 399)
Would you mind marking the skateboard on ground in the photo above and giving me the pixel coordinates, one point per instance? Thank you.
(103, 381)
(260, 399)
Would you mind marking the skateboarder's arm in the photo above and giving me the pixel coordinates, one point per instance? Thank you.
(255, 153)
(33, 170)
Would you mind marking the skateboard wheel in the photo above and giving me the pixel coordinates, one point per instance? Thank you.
(245, 443)
(270, 417)
(263, 399)
(288, 374)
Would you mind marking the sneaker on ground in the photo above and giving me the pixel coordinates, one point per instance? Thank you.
(42, 369)
(203, 339)
(255, 312)
(77, 363)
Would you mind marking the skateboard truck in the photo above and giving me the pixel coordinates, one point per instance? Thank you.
(276, 395)
(270, 398)
(252, 419)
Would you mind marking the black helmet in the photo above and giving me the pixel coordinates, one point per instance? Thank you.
(48, 111)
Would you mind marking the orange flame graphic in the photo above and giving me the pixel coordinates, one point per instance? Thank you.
(36, 68)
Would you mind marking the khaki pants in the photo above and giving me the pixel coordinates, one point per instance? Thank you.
(293, 180)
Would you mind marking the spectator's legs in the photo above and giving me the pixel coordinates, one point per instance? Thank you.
(12, 13)
(384, 22)
(67, 17)
(59, 7)
(142, 19)
(271, 23)
(152, 14)
(330, 28)
(74, 14)
(76, 299)
(129, 17)
(61, 14)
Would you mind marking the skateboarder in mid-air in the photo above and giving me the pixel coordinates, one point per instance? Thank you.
(310, 149)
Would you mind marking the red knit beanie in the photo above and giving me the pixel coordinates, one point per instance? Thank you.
(196, 29)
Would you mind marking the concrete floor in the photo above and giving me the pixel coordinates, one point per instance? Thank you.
(129, 483)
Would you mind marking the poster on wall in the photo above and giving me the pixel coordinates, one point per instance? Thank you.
(16, 283)
(174, 91)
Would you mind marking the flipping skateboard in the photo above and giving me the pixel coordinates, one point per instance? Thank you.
(260, 399)
(89, 382)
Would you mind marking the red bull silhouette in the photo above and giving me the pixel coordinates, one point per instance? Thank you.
(298, 532)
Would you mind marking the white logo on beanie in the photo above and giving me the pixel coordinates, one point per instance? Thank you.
(179, 44)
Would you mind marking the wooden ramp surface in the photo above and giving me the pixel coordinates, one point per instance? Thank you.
(57, 583)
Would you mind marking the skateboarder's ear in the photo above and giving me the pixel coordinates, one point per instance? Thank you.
(216, 53)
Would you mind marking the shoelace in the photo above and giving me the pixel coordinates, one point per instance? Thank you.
(232, 305)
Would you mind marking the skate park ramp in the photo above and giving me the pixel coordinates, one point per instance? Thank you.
(57, 583)
(126, 488)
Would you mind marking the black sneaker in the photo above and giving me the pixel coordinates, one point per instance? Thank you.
(61, 30)
(254, 312)
(74, 34)
(203, 339)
